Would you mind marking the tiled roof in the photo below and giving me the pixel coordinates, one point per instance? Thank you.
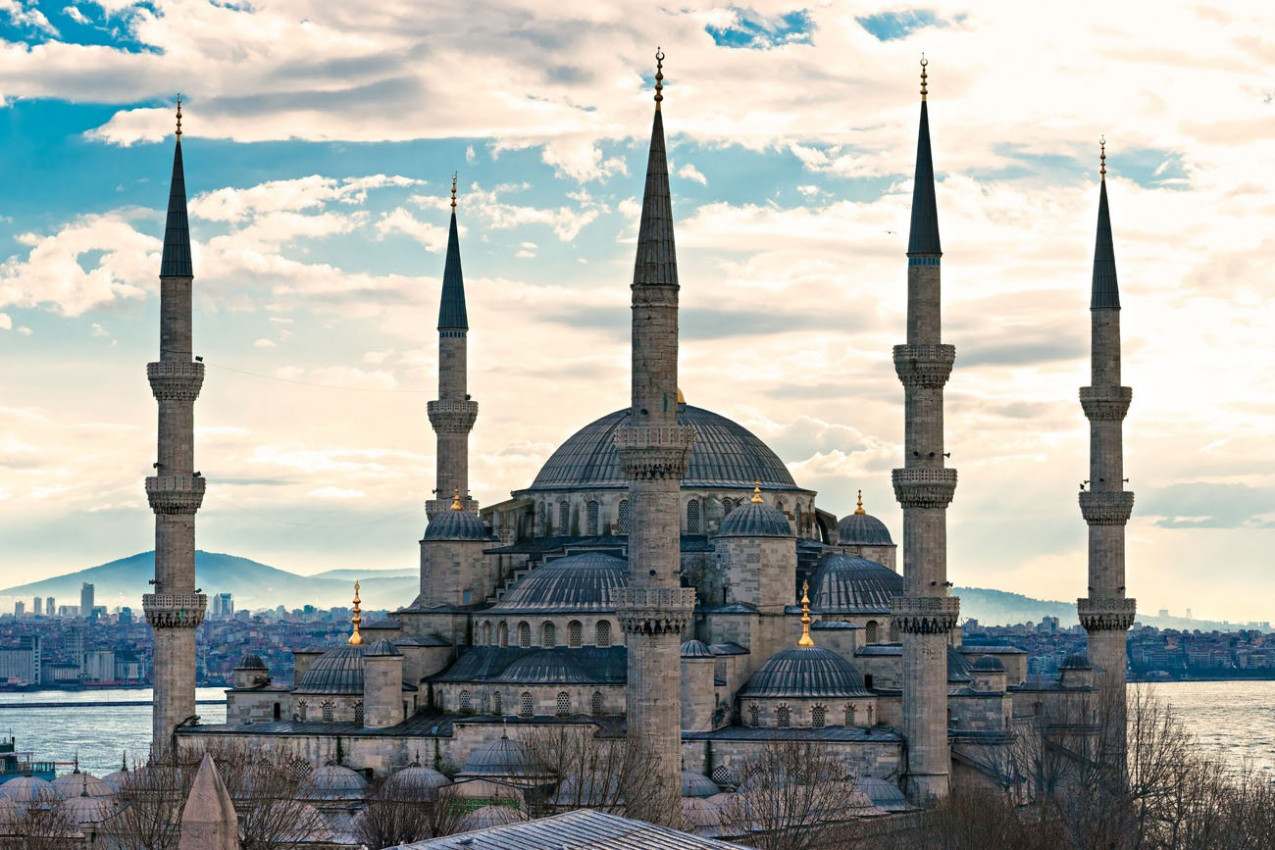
(584, 828)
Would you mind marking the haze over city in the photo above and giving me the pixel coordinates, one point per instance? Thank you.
(319, 147)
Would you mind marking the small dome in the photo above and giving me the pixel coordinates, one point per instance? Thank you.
(414, 783)
(883, 794)
(755, 519)
(863, 530)
(698, 785)
(86, 810)
(576, 791)
(988, 664)
(1076, 661)
(78, 784)
(116, 780)
(489, 816)
(333, 782)
(546, 667)
(337, 671)
(702, 816)
(29, 789)
(848, 584)
(501, 757)
(581, 582)
(696, 649)
(251, 662)
(380, 648)
(456, 525)
(806, 671)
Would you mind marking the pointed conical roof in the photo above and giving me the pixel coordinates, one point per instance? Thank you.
(451, 311)
(656, 263)
(176, 260)
(1106, 294)
(924, 236)
(209, 821)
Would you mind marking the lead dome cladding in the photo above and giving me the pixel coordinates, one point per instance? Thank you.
(456, 525)
(847, 584)
(755, 519)
(806, 671)
(337, 671)
(581, 582)
(863, 530)
(725, 454)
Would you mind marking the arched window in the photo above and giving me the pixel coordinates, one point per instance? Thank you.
(502, 634)
(575, 633)
(873, 631)
(564, 703)
(728, 505)
(496, 707)
(358, 712)
(487, 634)
(624, 516)
(278, 711)
(817, 716)
(548, 635)
(303, 708)
(526, 707)
(871, 709)
(753, 712)
(894, 633)
(779, 505)
(466, 702)
(564, 518)
(591, 512)
(850, 718)
(597, 705)
(329, 710)
(783, 716)
(692, 516)
(799, 518)
(524, 635)
(602, 633)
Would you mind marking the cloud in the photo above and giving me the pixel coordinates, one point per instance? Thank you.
(6, 322)
(748, 28)
(890, 26)
(28, 16)
(690, 172)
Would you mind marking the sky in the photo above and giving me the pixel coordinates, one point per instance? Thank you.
(319, 142)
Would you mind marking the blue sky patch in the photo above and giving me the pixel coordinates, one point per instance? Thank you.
(891, 26)
(754, 31)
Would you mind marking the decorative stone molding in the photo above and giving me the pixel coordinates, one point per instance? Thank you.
(924, 487)
(1106, 404)
(175, 494)
(1106, 613)
(452, 417)
(655, 610)
(925, 615)
(654, 452)
(654, 294)
(174, 610)
(1106, 507)
(927, 366)
(175, 380)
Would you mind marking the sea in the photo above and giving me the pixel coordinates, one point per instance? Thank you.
(1235, 720)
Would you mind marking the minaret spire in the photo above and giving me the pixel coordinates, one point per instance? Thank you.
(653, 450)
(1106, 291)
(176, 490)
(925, 614)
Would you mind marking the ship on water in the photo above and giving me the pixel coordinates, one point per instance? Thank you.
(15, 763)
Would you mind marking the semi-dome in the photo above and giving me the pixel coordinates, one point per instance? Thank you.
(546, 667)
(76, 784)
(755, 519)
(251, 662)
(456, 525)
(988, 664)
(501, 757)
(581, 582)
(337, 671)
(725, 454)
(806, 671)
(847, 584)
(862, 529)
(333, 782)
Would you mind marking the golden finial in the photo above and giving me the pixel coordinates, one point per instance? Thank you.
(924, 62)
(356, 639)
(1102, 146)
(179, 116)
(805, 616)
(659, 77)
(454, 191)
(681, 399)
(859, 509)
(757, 499)
(456, 505)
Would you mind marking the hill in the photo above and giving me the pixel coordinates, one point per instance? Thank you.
(1001, 608)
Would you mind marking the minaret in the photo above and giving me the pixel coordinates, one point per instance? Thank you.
(925, 614)
(176, 490)
(1106, 613)
(653, 451)
(454, 413)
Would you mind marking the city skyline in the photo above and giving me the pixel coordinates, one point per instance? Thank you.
(318, 166)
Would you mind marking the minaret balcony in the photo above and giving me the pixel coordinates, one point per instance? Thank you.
(927, 366)
(924, 487)
(1105, 404)
(175, 380)
(174, 610)
(925, 615)
(1106, 507)
(175, 494)
(453, 417)
(1106, 613)
(653, 610)
(654, 452)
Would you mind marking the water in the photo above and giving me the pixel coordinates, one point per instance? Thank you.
(1235, 719)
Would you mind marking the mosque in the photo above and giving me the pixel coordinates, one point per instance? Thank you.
(665, 578)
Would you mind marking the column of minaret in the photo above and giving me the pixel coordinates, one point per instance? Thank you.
(653, 450)
(176, 490)
(1106, 613)
(454, 413)
(925, 614)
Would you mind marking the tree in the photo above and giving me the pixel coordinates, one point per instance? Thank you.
(400, 813)
(577, 768)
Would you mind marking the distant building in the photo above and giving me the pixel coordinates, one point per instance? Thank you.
(1164, 613)
(21, 666)
(99, 667)
(86, 601)
(37, 606)
(126, 616)
(19, 609)
(223, 606)
(49, 606)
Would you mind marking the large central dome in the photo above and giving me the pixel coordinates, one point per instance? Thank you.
(725, 454)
